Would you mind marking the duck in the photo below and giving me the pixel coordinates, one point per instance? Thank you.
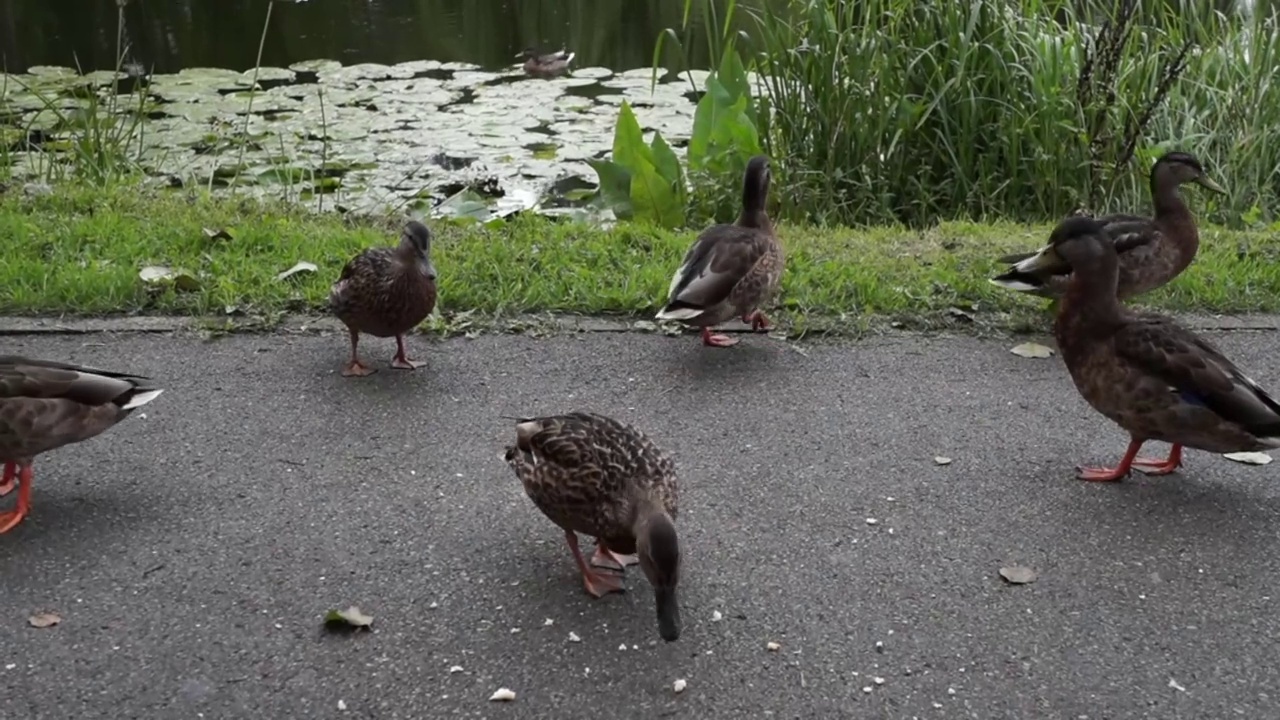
(386, 291)
(1152, 250)
(546, 66)
(731, 269)
(592, 474)
(1154, 378)
(45, 405)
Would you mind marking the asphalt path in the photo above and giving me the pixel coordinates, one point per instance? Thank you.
(192, 551)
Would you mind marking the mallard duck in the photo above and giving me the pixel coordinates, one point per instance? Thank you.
(593, 475)
(1152, 250)
(386, 291)
(45, 405)
(730, 269)
(1152, 377)
(546, 66)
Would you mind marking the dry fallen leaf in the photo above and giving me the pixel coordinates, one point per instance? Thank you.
(503, 695)
(164, 275)
(219, 234)
(1249, 458)
(351, 618)
(44, 620)
(1018, 574)
(941, 460)
(302, 266)
(1031, 350)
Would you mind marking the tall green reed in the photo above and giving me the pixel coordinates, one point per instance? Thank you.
(905, 112)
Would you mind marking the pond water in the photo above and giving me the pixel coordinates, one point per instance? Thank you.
(168, 35)
(369, 102)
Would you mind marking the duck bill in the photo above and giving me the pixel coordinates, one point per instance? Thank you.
(1047, 259)
(668, 613)
(1208, 184)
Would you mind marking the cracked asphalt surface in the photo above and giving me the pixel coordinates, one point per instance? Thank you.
(193, 551)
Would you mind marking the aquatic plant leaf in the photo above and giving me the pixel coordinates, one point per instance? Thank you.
(615, 186)
(733, 76)
(667, 164)
(653, 198)
(628, 140)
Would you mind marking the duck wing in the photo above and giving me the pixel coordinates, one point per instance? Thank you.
(1198, 372)
(720, 257)
(22, 377)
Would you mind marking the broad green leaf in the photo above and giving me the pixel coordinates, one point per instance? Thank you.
(706, 117)
(615, 186)
(653, 198)
(733, 76)
(668, 165)
(628, 140)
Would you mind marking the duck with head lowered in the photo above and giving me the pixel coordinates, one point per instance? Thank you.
(730, 270)
(1149, 375)
(597, 476)
(45, 405)
(386, 291)
(1151, 251)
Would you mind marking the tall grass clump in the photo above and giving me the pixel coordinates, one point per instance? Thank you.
(86, 130)
(904, 112)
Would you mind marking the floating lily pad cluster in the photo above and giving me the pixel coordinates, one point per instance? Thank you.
(444, 138)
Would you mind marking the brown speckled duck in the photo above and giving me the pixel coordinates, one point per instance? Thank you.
(546, 66)
(45, 405)
(593, 475)
(731, 270)
(386, 291)
(1152, 377)
(1152, 250)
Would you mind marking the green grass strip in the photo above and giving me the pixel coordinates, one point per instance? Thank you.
(79, 251)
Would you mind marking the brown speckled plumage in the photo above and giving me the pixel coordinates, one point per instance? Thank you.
(597, 476)
(45, 405)
(386, 292)
(730, 270)
(1154, 378)
(1151, 250)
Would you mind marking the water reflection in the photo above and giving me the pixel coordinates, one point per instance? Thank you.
(173, 34)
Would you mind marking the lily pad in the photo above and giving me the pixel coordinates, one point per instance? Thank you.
(315, 66)
(465, 204)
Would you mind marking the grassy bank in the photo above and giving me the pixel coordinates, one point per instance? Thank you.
(79, 251)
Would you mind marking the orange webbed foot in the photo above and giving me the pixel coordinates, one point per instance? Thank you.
(717, 340)
(10, 519)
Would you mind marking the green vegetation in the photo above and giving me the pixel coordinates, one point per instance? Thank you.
(646, 182)
(883, 111)
(80, 250)
(941, 116)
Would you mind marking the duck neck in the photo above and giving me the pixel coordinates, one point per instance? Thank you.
(1165, 198)
(753, 215)
(646, 510)
(1089, 303)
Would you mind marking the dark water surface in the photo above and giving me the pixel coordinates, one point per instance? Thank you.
(169, 35)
